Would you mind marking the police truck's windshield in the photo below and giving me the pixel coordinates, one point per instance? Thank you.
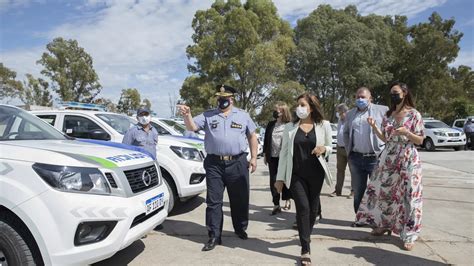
(17, 124)
(120, 123)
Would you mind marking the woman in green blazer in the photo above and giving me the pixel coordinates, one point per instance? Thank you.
(302, 167)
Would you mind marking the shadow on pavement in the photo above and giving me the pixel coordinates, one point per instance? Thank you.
(280, 221)
(125, 256)
(187, 206)
(379, 256)
(197, 233)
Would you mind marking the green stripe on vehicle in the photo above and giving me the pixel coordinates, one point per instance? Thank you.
(195, 145)
(103, 162)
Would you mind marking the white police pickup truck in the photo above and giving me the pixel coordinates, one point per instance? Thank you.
(68, 202)
(180, 159)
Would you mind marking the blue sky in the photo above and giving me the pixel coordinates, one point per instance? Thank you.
(142, 43)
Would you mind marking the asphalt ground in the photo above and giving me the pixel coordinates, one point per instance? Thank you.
(446, 237)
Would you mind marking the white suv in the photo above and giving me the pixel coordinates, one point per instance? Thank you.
(66, 202)
(438, 134)
(180, 159)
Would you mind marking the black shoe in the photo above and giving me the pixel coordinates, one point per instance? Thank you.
(242, 234)
(211, 244)
(276, 210)
(354, 224)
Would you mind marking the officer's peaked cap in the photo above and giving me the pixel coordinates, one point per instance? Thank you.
(225, 91)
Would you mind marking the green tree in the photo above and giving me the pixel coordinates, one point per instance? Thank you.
(129, 101)
(431, 47)
(109, 105)
(340, 50)
(71, 70)
(146, 103)
(244, 46)
(36, 92)
(9, 86)
(287, 93)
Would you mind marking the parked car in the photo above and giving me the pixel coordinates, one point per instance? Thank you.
(177, 129)
(459, 123)
(438, 134)
(64, 201)
(180, 159)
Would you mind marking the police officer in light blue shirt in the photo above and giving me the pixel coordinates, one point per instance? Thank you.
(229, 131)
(143, 135)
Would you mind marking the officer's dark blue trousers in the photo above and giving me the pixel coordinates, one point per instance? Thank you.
(233, 174)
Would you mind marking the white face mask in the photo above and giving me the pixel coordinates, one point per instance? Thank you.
(144, 120)
(302, 112)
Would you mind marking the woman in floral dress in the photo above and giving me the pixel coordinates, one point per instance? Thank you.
(393, 199)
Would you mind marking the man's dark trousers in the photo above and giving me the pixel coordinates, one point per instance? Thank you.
(361, 167)
(233, 174)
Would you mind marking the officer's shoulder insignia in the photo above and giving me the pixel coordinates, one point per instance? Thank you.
(235, 125)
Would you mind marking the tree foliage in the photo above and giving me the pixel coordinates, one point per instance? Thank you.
(129, 101)
(9, 86)
(244, 46)
(146, 103)
(339, 50)
(71, 71)
(35, 91)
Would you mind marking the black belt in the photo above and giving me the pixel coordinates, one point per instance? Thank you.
(225, 157)
(365, 154)
(341, 147)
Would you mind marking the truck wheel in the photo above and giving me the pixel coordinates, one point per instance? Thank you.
(429, 145)
(458, 148)
(13, 248)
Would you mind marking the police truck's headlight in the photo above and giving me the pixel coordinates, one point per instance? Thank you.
(73, 179)
(192, 154)
(439, 133)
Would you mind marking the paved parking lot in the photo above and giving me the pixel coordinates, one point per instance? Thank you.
(446, 238)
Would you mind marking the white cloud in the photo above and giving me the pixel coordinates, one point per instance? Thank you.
(142, 44)
(465, 58)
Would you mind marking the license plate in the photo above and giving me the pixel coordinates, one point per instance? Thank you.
(154, 203)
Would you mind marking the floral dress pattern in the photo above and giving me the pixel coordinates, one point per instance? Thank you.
(393, 198)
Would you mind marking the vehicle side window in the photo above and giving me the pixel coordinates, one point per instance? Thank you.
(79, 127)
(160, 129)
(459, 124)
(50, 119)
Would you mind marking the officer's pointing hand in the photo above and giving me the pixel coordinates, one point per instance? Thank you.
(184, 109)
(253, 165)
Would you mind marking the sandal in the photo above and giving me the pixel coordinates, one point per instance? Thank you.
(287, 205)
(305, 259)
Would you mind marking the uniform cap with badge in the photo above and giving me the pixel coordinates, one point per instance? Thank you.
(225, 91)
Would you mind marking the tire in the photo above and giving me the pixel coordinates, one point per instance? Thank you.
(13, 247)
(458, 148)
(429, 145)
(168, 181)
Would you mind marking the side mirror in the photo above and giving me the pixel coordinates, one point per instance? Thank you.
(99, 134)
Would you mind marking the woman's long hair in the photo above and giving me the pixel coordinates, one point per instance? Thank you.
(316, 113)
(285, 112)
(407, 99)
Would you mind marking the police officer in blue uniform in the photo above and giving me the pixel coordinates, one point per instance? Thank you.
(229, 131)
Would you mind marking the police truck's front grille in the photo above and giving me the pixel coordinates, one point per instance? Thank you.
(453, 134)
(139, 179)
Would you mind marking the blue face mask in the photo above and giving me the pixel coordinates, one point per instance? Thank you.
(362, 103)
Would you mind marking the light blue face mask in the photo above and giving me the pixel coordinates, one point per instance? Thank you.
(362, 103)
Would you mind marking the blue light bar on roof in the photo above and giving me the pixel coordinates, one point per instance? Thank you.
(82, 106)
